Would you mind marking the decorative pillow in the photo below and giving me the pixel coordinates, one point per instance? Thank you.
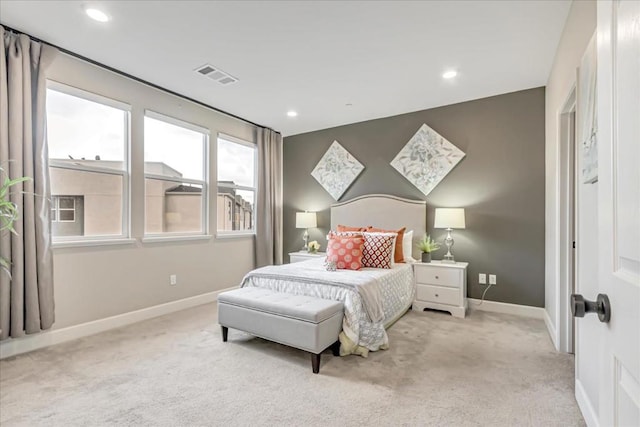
(399, 253)
(333, 234)
(379, 250)
(346, 252)
(407, 246)
(341, 228)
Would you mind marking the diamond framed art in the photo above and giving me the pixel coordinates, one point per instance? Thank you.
(426, 159)
(337, 170)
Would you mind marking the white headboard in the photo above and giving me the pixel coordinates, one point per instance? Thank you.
(383, 211)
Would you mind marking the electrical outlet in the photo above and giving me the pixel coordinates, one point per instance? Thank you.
(492, 279)
(482, 279)
(173, 280)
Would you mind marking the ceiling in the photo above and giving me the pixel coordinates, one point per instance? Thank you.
(383, 58)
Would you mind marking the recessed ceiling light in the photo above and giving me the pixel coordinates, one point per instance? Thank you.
(292, 113)
(96, 14)
(449, 74)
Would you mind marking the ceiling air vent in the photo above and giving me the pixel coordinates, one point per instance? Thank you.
(216, 74)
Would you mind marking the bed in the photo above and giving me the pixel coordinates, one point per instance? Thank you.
(373, 298)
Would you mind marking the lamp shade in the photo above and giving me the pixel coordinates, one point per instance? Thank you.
(449, 218)
(306, 220)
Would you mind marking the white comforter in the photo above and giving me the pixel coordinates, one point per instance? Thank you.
(373, 298)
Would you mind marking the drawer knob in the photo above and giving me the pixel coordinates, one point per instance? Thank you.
(436, 295)
(437, 277)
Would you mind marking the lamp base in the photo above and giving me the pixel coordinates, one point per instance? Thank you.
(305, 237)
(448, 241)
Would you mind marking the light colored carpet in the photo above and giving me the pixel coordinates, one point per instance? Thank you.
(487, 369)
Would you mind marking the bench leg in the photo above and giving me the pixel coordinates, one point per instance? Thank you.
(225, 333)
(335, 348)
(315, 362)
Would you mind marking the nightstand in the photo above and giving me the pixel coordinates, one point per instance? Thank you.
(442, 286)
(304, 255)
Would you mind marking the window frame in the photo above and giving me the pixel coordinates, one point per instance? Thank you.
(254, 189)
(124, 173)
(204, 222)
(56, 207)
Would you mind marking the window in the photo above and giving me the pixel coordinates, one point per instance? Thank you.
(88, 137)
(236, 185)
(175, 176)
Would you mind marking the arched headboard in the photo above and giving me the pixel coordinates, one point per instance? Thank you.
(383, 211)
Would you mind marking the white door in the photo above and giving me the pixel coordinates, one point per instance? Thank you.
(618, 123)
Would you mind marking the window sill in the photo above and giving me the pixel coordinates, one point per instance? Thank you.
(96, 242)
(238, 235)
(181, 237)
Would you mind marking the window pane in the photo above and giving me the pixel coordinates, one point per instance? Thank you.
(172, 150)
(171, 207)
(236, 163)
(67, 215)
(66, 202)
(94, 203)
(235, 209)
(85, 132)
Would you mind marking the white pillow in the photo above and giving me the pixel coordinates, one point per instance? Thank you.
(407, 246)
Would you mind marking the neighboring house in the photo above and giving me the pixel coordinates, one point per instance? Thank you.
(86, 203)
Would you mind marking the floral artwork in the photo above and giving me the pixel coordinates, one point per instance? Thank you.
(426, 159)
(337, 170)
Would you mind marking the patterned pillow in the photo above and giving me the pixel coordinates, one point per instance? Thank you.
(379, 249)
(333, 234)
(346, 252)
(341, 228)
(399, 254)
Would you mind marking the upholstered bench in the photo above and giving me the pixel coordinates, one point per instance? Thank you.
(306, 323)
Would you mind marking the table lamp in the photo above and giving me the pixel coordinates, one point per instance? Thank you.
(449, 218)
(306, 220)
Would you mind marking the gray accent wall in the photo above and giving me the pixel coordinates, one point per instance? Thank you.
(500, 183)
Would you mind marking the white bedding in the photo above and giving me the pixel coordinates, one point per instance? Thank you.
(373, 298)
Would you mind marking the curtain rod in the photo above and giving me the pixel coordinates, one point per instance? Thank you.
(132, 77)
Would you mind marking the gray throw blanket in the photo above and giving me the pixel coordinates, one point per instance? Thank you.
(313, 272)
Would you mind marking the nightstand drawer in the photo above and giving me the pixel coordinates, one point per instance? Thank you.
(441, 276)
(438, 294)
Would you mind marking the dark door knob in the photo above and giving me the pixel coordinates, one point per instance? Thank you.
(602, 306)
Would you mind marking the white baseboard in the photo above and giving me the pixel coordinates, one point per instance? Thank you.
(15, 346)
(553, 334)
(506, 308)
(588, 413)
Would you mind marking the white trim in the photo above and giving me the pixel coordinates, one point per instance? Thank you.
(553, 334)
(15, 346)
(237, 140)
(588, 413)
(235, 235)
(59, 244)
(507, 308)
(88, 96)
(176, 122)
(156, 238)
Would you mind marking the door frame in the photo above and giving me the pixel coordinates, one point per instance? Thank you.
(568, 220)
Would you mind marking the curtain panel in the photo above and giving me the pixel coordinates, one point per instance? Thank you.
(26, 297)
(269, 199)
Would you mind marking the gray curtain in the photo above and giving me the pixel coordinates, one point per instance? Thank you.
(26, 298)
(269, 199)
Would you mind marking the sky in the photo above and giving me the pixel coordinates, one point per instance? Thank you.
(81, 128)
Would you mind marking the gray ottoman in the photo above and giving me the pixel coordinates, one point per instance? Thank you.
(308, 323)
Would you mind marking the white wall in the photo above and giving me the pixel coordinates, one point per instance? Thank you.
(580, 25)
(92, 283)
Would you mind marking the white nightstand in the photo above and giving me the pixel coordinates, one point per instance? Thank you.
(304, 255)
(442, 286)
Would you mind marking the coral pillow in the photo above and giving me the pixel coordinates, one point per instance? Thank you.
(341, 228)
(399, 254)
(346, 252)
(379, 250)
